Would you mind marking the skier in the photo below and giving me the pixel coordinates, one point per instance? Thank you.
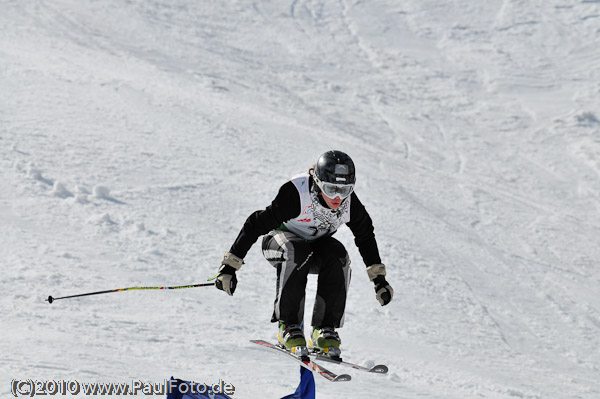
(298, 228)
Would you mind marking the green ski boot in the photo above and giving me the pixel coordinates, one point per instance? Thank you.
(326, 340)
(292, 338)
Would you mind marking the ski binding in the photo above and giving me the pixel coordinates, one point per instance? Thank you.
(300, 355)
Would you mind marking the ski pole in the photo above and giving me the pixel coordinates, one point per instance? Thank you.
(52, 299)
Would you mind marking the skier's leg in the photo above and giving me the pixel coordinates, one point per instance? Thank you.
(292, 257)
(333, 282)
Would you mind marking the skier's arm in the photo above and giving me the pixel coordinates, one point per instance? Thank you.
(285, 206)
(364, 236)
(361, 226)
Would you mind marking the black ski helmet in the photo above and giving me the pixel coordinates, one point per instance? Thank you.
(335, 167)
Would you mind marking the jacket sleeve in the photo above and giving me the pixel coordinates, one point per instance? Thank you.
(285, 206)
(361, 226)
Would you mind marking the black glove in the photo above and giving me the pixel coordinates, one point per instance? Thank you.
(383, 290)
(226, 279)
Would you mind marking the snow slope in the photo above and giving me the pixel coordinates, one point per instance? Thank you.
(136, 137)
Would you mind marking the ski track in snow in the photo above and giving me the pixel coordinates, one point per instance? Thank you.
(135, 138)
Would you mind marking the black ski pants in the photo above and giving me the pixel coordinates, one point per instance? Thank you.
(294, 259)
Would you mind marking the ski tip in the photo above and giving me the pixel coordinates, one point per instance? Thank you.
(379, 369)
(342, 377)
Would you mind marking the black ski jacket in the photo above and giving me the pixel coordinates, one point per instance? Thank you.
(286, 206)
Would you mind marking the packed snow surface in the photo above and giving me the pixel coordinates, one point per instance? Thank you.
(137, 136)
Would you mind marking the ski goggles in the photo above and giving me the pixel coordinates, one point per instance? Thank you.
(333, 190)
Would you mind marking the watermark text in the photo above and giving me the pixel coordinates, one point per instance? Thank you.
(31, 388)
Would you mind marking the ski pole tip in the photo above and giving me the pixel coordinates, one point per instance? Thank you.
(50, 299)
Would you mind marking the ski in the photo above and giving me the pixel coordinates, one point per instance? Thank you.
(378, 369)
(304, 362)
